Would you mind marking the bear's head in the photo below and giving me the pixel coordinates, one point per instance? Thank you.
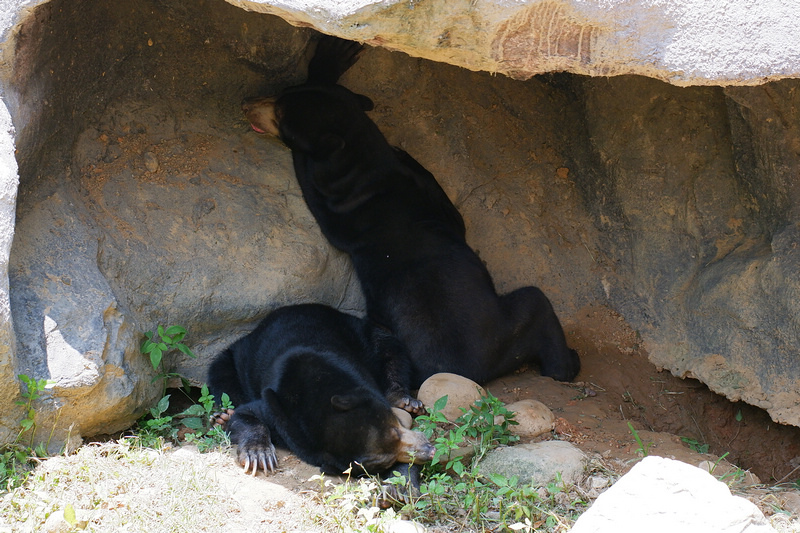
(315, 120)
(363, 432)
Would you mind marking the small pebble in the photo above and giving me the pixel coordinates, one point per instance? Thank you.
(150, 161)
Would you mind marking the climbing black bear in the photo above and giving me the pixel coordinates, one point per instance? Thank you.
(406, 239)
(304, 379)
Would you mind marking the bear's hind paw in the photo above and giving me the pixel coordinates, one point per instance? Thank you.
(221, 418)
(411, 405)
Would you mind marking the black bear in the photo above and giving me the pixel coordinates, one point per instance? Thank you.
(406, 239)
(304, 379)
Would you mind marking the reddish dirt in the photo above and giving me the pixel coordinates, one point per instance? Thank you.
(618, 384)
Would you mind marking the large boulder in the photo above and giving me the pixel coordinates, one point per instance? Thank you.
(145, 199)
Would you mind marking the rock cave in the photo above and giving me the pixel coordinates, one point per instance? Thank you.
(662, 221)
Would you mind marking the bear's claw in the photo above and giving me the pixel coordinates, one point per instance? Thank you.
(411, 405)
(259, 457)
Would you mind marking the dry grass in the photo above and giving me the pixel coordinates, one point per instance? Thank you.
(118, 486)
(121, 487)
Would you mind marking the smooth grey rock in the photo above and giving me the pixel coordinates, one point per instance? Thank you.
(538, 463)
(661, 494)
(70, 330)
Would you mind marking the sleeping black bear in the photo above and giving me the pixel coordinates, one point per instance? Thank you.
(304, 380)
(406, 239)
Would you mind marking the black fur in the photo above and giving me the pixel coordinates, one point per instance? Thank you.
(406, 239)
(304, 379)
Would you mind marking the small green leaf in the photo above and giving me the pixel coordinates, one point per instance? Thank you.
(160, 331)
(194, 410)
(739, 415)
(175, 330)
(440, 404)
(193, 423)
(185, 349)
(69, 515)
(499, 480)
(226, 401)
(155, 357)
(163, 404)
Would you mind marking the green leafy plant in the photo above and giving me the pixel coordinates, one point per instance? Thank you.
(695, 445)
(32, 392)
(453, 486)
(480, 421)
(163, 341)
(15, 457)
(159, 343)
(198, 418)
(477, 426)
(195, 423)
(159, 426)
(643, 448)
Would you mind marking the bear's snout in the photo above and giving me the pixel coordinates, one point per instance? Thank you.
(414, 447)
(260, 112)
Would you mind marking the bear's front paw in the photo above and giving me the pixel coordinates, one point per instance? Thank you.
(411, 405)
(259, 455)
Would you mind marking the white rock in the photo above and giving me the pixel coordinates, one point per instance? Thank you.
(401, 526)
(661, 494)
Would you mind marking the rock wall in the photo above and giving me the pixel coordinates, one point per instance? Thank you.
(145, 199)
(699, 209)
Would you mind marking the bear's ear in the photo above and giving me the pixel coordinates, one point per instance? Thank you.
(346, 402)
(327, 144)
(365, 102)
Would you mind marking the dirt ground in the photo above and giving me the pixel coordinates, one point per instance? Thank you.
(617, 385)
(623, 386)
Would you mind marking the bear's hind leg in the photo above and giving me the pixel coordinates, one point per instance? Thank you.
(537, 335)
